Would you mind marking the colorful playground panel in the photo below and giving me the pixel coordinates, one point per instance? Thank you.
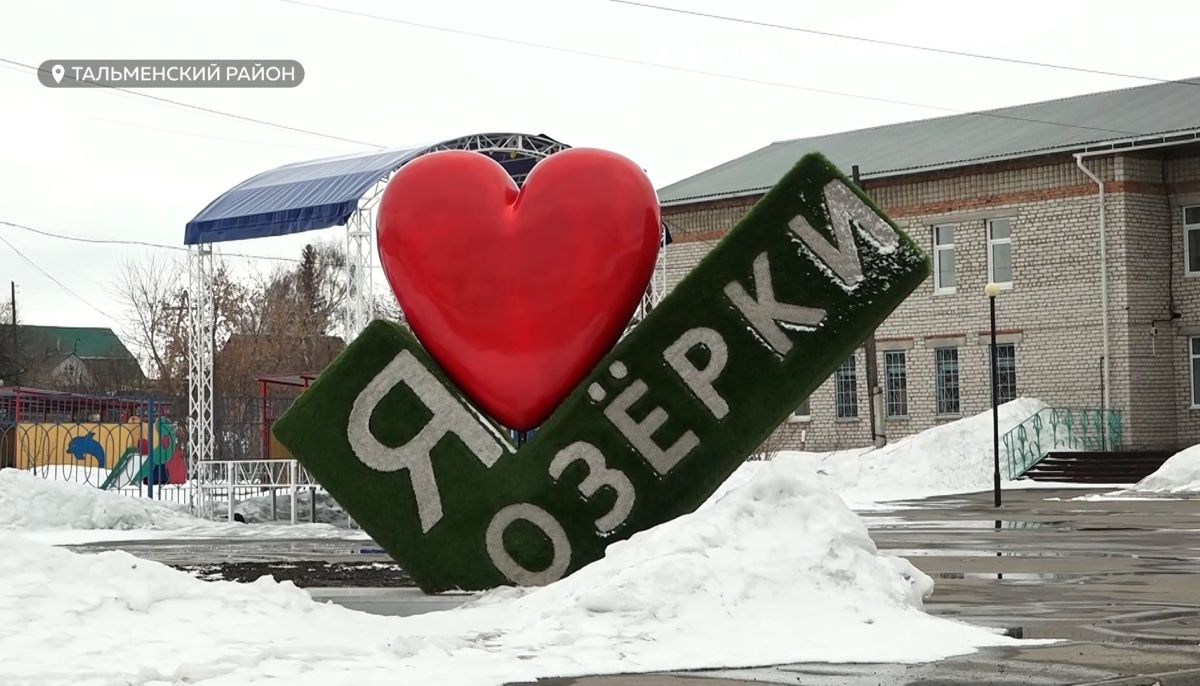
(120, 448)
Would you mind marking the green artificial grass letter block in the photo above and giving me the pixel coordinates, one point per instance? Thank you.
(649, 435)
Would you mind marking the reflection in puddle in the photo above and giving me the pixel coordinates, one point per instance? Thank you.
(958, 552)
(890, 522)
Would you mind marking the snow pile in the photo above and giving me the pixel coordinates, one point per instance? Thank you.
(258, 509)
(952, 458)
(1180, 474)
(29, 501)
(778, 570)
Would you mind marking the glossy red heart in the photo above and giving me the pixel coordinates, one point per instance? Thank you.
(518, 293)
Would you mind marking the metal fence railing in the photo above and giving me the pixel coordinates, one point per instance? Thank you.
(128, 448)
(1060, 429)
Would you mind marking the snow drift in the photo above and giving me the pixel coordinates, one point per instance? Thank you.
(955, 457)
(29, 501)
(777, 570)
(1179, 474)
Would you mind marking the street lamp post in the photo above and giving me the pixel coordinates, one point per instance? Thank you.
(991, 291)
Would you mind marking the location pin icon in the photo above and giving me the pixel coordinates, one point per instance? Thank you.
(57, 72)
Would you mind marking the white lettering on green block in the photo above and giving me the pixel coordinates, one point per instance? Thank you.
(599, 474)
(700, 380)
(515, 571)
(763, 311)
(640, 434)
(449, 417)
(845, 210)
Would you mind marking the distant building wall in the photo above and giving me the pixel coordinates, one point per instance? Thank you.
(1051, 315)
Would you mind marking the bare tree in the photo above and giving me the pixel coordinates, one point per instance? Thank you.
(155, 316)
(770, 448)
(386, 307)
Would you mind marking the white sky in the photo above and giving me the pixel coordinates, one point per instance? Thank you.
(101, 164)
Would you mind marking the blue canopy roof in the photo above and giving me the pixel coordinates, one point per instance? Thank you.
(308, 195)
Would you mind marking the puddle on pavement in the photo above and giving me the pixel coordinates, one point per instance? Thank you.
(1001, 524)
(1054, 576)
(960, 552)
(237, 550)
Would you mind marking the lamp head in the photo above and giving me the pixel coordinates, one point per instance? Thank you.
(991, 290)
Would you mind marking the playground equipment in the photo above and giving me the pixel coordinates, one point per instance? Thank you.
(92, 439)
(161, 463)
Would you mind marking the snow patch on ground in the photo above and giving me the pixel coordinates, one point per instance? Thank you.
(258, 509)
(1179, 474)
(29, 501)
(776, 570)
(65, 513)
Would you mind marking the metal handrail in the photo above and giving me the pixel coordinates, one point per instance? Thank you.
(1061, 429)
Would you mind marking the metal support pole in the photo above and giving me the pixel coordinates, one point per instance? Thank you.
(1103, 410)
(16, 357)
(150, 443)
(995, 409)
(875, 409)
(292, 470)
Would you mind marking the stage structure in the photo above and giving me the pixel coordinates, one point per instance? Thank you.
(312, 195)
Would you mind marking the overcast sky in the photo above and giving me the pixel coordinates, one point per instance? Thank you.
(100, 164)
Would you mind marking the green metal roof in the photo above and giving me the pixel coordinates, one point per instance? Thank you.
(1063, 125)
(84, 341)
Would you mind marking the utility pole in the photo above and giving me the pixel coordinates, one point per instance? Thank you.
(16, 357)
(874, 393)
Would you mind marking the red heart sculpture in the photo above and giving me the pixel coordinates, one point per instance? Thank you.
(518, 293)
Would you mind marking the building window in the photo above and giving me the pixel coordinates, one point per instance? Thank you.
(943, 259)
(1191, 239)
(1194, 341)
(1000, 251)
(945, 364)
(802, 413)
(846, 390)
(895, 380)
(1006, 372)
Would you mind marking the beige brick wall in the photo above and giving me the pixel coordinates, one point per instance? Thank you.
(1183, 177)
(1051, 314)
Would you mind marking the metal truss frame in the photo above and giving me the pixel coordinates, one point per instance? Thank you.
(656, 290)
(201, 435)
(360, 228)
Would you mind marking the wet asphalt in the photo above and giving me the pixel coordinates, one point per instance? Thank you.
(1117, 580)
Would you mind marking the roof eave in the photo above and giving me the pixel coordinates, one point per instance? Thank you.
(1157, 140)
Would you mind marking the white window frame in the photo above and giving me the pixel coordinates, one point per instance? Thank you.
(1187, 245)
(849, 371)
(937, 259)
(937, 379)
(796, 416)
(1192, 357)
(902, 388)
(991, 242)
(1013, 347)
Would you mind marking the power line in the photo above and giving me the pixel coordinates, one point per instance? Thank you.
(896, 44)
(701, 72)
(50, 276)
(193, 134)
(145, 244)
(128, 242)
(208, 110)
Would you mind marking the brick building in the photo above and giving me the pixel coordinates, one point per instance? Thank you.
(1003, 196)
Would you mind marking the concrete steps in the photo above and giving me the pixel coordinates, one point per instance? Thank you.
(1098, 467)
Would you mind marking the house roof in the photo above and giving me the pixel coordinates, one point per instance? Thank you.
(1062, 125)
(85, 341)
